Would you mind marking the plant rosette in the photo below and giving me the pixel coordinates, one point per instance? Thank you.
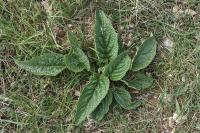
(99, 93)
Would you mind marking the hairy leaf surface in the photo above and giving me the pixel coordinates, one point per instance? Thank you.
(140, 81)
(105, 38)
(123, 98)
(76, 61)
(145, 54)
(91, 96)
(118, 67)
(49, 64)
(103, 107)
(74, 42)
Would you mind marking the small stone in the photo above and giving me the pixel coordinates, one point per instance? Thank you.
(170, 75)
(121, 28)
(175, 9)
(168, 44)
(47, 7)
(69, 25)
(77, 93)
(190, 12)
(183, 79)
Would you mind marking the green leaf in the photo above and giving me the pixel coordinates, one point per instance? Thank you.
(178, 108)
(74, 42)
(123, 98)
(76, 61)
(136, 104)
(145, 54)
(49, 64)
(103, 107)
(118, 67)
(140, 81)
(91, 96)
(105, 38)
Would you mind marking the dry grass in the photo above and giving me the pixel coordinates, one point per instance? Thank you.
(31, 103)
